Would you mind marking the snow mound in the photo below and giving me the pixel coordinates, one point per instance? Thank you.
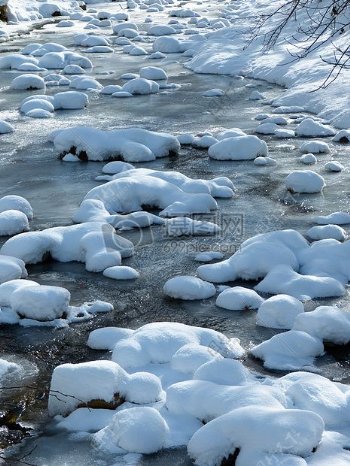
(40, 303)
(188, 288)
(133, 145)
(292, 350)
(305, 181)
(11, 268)
(279, 312)
(244, 431)
(313, 129)
(135, 430)
(6, 128)
(327, 231)
(283, 279)
(239, 299)
(238, 148)
(92, 243)
(336, 218)
(131, 194)
(13, 222)
(158, 342)
(100, 384)
(28, 82)
(328, 323)
(121, 273)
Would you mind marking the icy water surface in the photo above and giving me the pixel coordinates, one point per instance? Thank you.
(29, 167)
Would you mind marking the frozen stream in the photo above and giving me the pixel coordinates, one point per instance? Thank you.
(29, 167)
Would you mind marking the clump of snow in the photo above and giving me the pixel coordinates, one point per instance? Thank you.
(11, 268)
(305, 181)
(283, 279)
(279, 312)
(244, 431)
(94, 244)
(336, 218)
(158, 342)
(292, 350)
(238, 148)
(76, 385)
(239, 299)
(121, 273)
(133, 145)
(313, 129)
(327, 231)
(315, 147)
(28, 82)
(135, 430)
(328, 323)
(188, 288)
(5, 127)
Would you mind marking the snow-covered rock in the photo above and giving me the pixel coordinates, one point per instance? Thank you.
(327, 231)
(238, 148)
(11, 268)
(131, 144)
(279, 312)
(292, 350)
(29, 82)
(328, 323)
(305, 181)
(13, 222)
(188, 288)
(134, 430)
(311, 128)
(239, 299)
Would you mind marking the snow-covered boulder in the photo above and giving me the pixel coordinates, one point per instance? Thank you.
(141, 86)
(315, 147)
(328, 323)
(134, 430)
(313, 129)
(121, 272)
(11, 268)
(28, 82)
(283, 279)
(167, 45)
(157, 343)
(132, 144)
(327, 231)
(244, 433)
(70, 100)
(6, 128)
(94, 244)
(13, 222)
(238, 148)
(336, 218)
(100, 384)
(42, 303)
(239, 299)
(304, 181)
(188, 288)
(153, 73)
(280, 312)
(292, 350)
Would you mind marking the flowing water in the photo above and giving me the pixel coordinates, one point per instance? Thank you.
(29, 167)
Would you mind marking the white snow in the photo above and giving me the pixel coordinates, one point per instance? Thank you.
(188, 288)
(305, 181)
(239, 299)
(279, 312)
(121, 273)
(292, 350)
(238, 148)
